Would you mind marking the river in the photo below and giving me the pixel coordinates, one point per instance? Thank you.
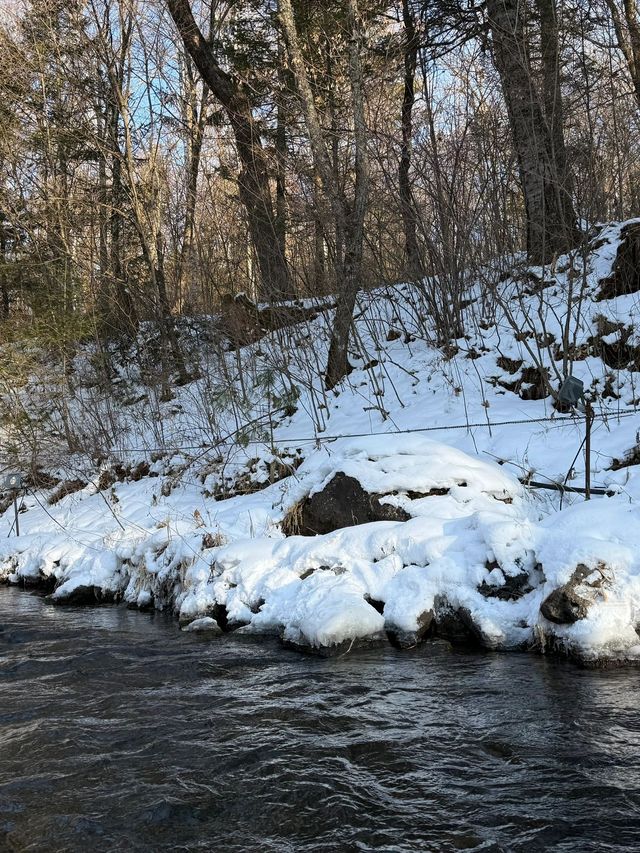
(119, 733)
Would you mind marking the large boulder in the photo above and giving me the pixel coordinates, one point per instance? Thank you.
(343, 502)
(84, 594)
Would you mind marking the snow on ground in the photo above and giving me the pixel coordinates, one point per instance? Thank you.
(479, 551)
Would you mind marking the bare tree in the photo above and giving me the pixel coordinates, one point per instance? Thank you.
(348, 217)
(255, 190)
(410, 60)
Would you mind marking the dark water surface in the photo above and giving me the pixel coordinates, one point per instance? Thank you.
(119, 733)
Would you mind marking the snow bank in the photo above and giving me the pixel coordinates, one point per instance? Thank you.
(473, 562)
(386, 464)
(479, 556)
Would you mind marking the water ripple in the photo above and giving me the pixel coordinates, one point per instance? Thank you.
(117, 733)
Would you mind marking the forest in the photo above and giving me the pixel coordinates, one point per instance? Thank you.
(158, 160)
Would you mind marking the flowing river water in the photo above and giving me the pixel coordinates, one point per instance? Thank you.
(119, 733)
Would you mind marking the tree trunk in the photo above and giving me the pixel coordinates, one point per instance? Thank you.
(281, 154)
(319, 254)
(412, 251)
(553, 102)
(348, 220)
(122, 314)
(195, 120)
(167, 324)
(628, 37)
(4, 289)
(551, 222)
(255, 192)
(103, 300)
(126, 309)
(335, 151)
(338, 363)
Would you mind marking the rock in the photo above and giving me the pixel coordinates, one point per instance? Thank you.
(42, 582)
(84, 595)
(216, 612)
(572, 601)
(336, 570)
(374, 602)
(409, 639)
(458, 627)
(454, 624)
(205, 624)
(301, 644)
(342, 503)
(625, 275)
(514, 587)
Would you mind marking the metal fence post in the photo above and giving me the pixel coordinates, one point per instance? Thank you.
(587, 450)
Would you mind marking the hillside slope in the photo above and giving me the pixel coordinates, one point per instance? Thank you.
(199, 503)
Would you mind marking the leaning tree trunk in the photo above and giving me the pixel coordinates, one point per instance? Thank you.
(551, 221)
(255, 191)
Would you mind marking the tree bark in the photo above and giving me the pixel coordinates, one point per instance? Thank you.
(195, 115)
(4, 289)
(255, 192)
(551, 221)
(281, 154)
(337, 362)
(412, 251)
(628, 37)
(553, 102)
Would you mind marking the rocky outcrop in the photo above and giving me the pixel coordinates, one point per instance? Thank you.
(625, 275)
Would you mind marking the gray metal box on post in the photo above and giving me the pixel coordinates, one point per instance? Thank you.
(571, 391)
(12, 483)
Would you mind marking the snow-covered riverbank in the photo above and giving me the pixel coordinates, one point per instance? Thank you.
(446, 541)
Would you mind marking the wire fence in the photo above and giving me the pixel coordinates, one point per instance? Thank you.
(321, 438)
